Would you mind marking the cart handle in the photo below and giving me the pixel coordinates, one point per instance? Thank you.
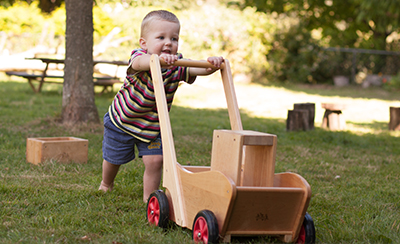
(192, 63)
(227, 81)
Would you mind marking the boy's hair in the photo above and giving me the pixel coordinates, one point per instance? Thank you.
(157, 14)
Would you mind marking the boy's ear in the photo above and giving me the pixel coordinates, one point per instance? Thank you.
(143, 43)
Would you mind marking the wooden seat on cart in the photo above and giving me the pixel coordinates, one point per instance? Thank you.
(246, 157)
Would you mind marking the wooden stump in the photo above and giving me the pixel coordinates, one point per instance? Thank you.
(394, 122)
(297, 120)
(310, 107)
(333, 117)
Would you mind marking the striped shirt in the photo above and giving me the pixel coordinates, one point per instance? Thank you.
(134, 110)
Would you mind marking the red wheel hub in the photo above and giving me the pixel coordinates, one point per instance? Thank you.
(200, 231)
(153, 211)
(302, 235)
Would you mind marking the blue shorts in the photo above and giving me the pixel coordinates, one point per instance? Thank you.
(119, 146)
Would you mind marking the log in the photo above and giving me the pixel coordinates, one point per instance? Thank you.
(297, 120)
(311, 112)
(394, 122)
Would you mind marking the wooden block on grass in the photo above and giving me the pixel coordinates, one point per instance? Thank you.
(62, 149)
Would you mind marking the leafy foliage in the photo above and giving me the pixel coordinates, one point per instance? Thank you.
(21, 18)
(243, 37)
(358, 23)
(283, 40)
(296, 56)
(393, 83)
(46, 6)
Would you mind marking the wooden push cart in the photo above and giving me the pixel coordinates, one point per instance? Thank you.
(239, 194)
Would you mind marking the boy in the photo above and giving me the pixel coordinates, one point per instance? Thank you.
(132, 118)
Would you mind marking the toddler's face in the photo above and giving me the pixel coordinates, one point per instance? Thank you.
(162, 37)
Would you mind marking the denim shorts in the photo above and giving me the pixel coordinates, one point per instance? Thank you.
(119, 146)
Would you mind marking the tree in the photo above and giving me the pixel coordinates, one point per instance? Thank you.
(78, 93)
(353, 23)
(47, 6)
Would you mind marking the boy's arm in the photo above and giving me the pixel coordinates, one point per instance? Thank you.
(216, 61)
(142, 62)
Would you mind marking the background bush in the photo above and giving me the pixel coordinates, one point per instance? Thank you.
(266, 47)
(243, 37)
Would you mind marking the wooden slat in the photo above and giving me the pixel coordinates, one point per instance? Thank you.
(226, 154)
(230, 94)
(210, 190)
(266, 211)
(171, 178)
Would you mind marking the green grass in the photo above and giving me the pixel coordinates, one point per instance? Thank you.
(354, 177)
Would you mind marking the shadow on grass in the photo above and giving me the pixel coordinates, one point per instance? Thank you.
(187, 121)
(47, 89)
(21, 106)
(374, 126)
(351, 91)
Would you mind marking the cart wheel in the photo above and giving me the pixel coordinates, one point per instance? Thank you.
(307, 231)
(158, 209)
(205, 227)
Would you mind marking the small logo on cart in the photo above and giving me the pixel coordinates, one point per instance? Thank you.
(262, 217)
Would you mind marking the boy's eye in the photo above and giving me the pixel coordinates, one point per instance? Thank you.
(174, 39)
(161, 37)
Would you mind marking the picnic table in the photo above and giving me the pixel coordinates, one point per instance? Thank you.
(43, 76)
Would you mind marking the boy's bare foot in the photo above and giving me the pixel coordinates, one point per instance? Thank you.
(103, 187)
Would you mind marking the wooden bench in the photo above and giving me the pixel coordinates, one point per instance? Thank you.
(104, 81)
(333, 117)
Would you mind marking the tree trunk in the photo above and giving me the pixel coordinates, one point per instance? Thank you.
(78, 92)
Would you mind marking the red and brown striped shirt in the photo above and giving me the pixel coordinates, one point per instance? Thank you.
(134, 110)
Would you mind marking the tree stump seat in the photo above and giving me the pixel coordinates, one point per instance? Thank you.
(333, 117)
(301, 117)
(394, 122)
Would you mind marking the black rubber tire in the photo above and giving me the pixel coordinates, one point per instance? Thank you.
(307, 232)
(205, 228)
(157, 210)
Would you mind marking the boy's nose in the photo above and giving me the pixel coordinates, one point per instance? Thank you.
(168, 42)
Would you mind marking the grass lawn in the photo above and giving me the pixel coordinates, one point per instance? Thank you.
(354, 174)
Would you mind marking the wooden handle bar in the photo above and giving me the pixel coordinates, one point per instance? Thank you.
(192, 63)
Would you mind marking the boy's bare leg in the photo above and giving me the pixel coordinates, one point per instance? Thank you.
(152, 174)
(109, 172)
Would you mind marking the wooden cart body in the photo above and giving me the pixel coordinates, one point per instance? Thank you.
(240, 186)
